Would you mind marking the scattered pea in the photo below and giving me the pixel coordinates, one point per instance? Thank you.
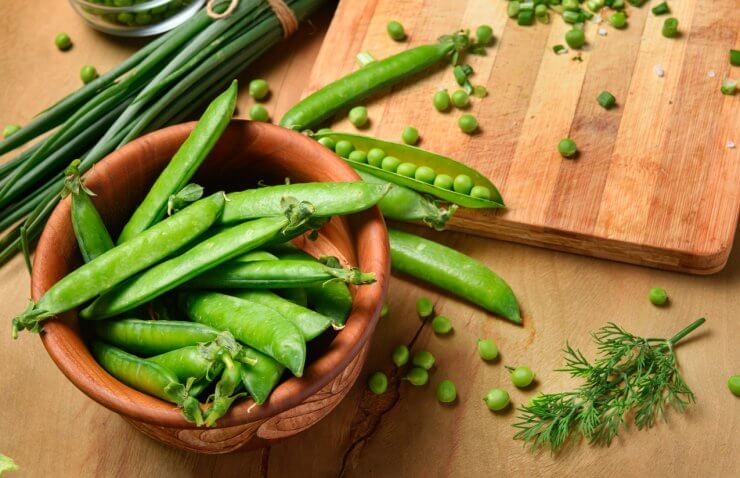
(259, 113)
(407, 169)
(417, 376)
(484, 34)
(358, 116)
(487, 349)
(444, 181)
(658, 296)
(258, 89)
(359, 156)
(441, 100)
(325, 141)
(375, 157)
(462, 184)
(395, 30)
(468, 124)
(522, 376)
(390, 163)
(424, 307)
(410, 135)
(480, 91)
(63, 41)
(567, 147)
(10, 129)
(344, 148)
(460, 99)
(734, 385)
(446, 391)
(423, 359)
(480, 192)
(384, 310)
(401, 355)
(425, 174)
(88, 73)
(575, 38)
(496, 399)
(378, 383)
(441, 325)
(618, 20)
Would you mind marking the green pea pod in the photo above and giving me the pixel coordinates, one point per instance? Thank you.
(262, 377)
(350, 89)
(251, 323)
(296, 295)
(183, 164)
(253, 256)
(225, 393)
(329, 199)
(123, 261)
(147, 377)
(453, 271)
(90, 231)
(276, 275)
(153, 337)
(193, 361)
(209, 253)
(440, 164)
(310, 323)
(404, 204)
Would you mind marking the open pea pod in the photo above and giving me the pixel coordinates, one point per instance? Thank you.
(440, 164)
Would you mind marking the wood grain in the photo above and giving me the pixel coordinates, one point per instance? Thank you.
(51, 429)
(654, 182)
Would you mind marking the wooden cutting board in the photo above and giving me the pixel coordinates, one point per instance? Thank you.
(655, 182)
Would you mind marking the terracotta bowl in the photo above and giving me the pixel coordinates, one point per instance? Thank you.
(246, 153)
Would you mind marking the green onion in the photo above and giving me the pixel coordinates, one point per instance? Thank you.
(606, 100)
(570, 5)
(670, 28)
(729, 87)
(558, 49)
(617, 5)
(735, 57)
(526, 17)
(595, 5)
(637, 3)
(661, 9)
(526, 6)
(512, 10)
(570, 16)
(364, 58)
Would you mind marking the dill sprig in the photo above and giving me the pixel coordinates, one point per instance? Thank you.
(632, 374)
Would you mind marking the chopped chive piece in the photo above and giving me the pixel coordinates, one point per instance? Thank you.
(618, 20)
(525, 18)
(526, 6)
(571, 5)
(606, 100)
(637, 3)
(570, 16)
(670, 28)
(364, 58)
(512, 9)
(661, 9)
(461, 73)
(735, 57)
(595, 5)
(729, 87)
(586, 15)
(558, 49)
(617, 4)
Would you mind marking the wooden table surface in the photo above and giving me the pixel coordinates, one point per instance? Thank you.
(51, 429)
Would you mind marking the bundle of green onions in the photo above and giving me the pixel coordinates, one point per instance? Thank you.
(163, 83)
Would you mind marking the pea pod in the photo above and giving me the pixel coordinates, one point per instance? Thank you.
(404, 204)
(120, 263)
(153, 337)
(211, 252)
(296, 295)
(147, 377)
(183, 164)
(251, 323)
(453, 271)
(193, 361)
(329, 199)
(440, 164)
(310, 323)
(348, 90)
(259, 379)
(253, 256)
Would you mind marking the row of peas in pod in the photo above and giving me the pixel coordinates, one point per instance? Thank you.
(135, 18)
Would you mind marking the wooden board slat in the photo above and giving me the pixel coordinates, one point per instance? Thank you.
(654, 183)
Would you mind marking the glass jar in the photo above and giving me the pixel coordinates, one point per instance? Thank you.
(135, 18)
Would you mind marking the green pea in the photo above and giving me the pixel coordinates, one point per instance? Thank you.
(468, 124)
(410, 135)
(377, 383)
(425, 174)
(384, 310)
(401, 355)
(417, 376)
(259, 113)
(358, 116)
(441, 325)
(10, 129)
(460, 99)
(575, 38)
(734, 385)
(658, 296)
(359, 156)
(424, 307)
(462, 184)
(487, 349)
(480, 91)
(423, 359)
(441, 100)
(567, 147)
(344, 148)
(481, 192)
(88, 73)
(375, 157)
(407, 169)
(446, 391)
(390, 163)
(444, 181)
(328, 142)
(258, 89)
(126, 18)
(484, 34)
(143, 18)
(496, 399)
(63, 41)
(522, 376)
(395, 30)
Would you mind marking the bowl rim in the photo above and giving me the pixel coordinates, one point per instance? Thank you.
(64, 344)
